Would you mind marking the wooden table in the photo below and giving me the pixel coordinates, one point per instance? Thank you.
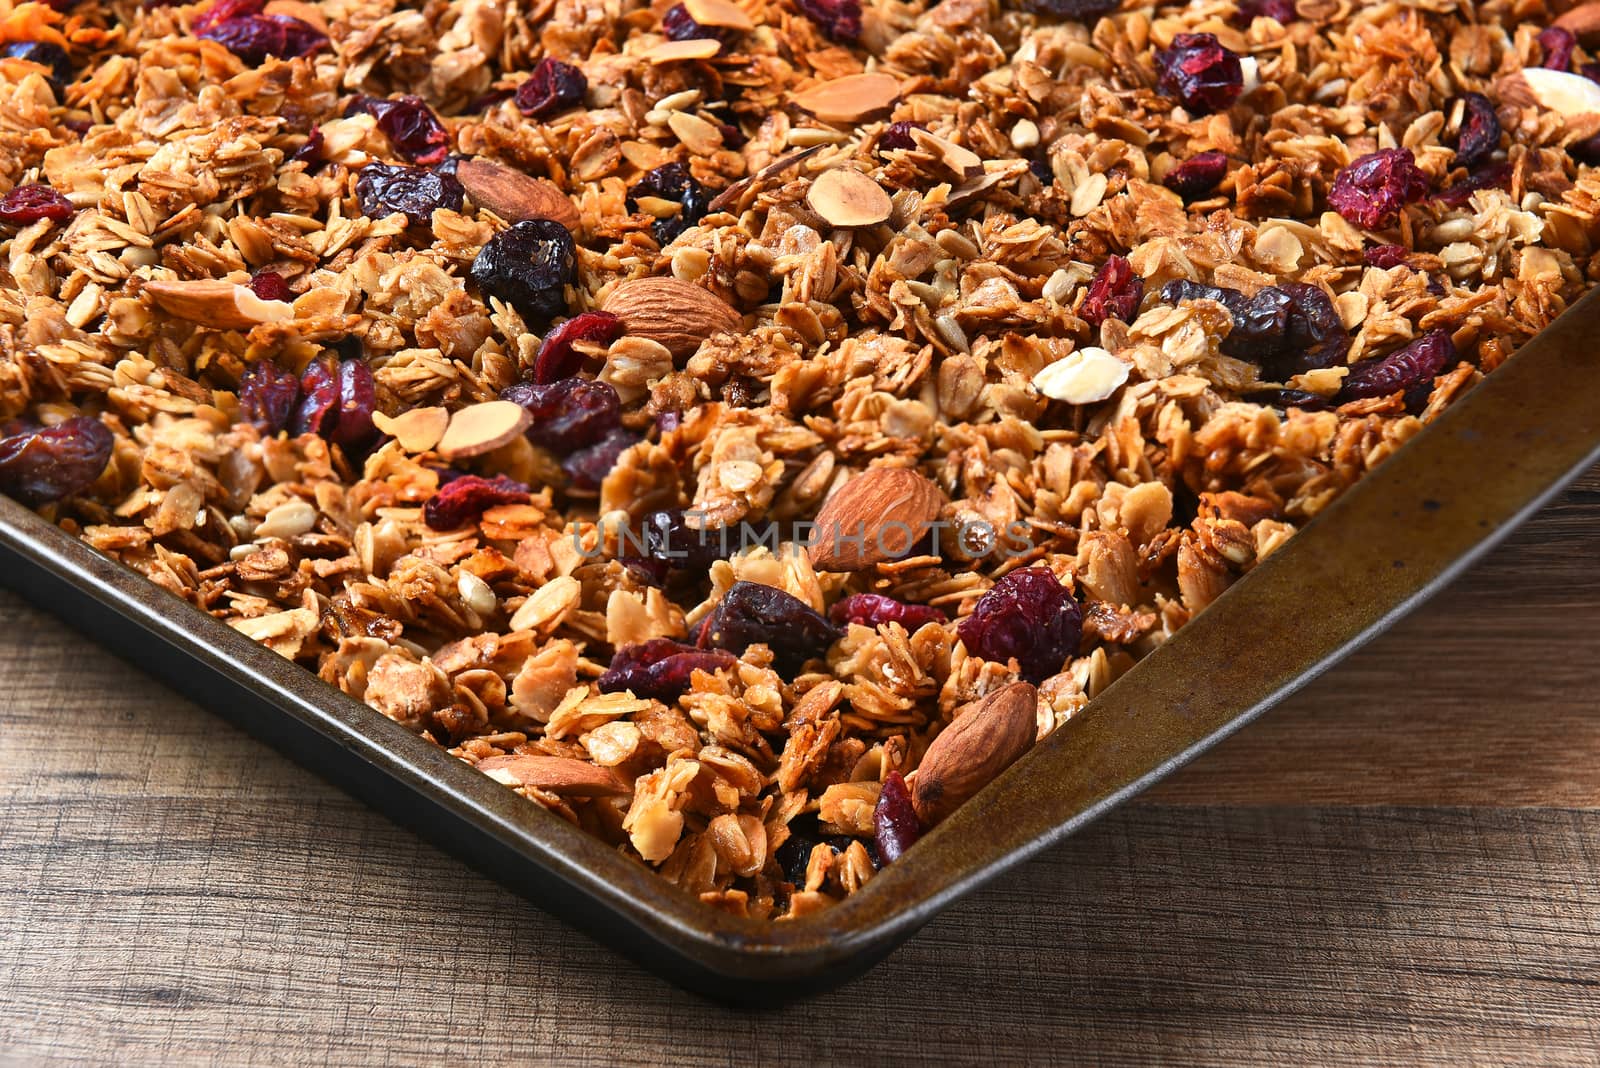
(1401, 864)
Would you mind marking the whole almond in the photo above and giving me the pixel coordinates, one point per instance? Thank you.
(677, 314)
(514, 196)
(559, 775)
(218, 304)
(986, 737)
(876, 516)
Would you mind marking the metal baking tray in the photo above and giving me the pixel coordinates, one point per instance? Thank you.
(1460, 486)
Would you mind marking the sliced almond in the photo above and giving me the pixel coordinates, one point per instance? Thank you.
(676, 314)
(481, 428)
(1562, 92)
(677, 51)
(547, 606)
(223, 305)
(1086, 376)
(851, 98)
(514, 196)
(1583, 22)
(697, 135)
(963, 162)
(559, 775)
(736, 192)
(985, 738)
(849, 198)
(297, 9)
(875, 517)
(719, 13)
(417, 430)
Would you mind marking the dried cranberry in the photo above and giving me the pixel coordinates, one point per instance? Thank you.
(1198, 176)
(529, 267)
(750, 613)
(660, 668)
(557, 359)
(267, 395)
(1250, 10)
(894, 821)
(668, 537)
(224, 10)
(1288, 398)
(1081, 10)
(410, 125)
(52, 57)
(568, 415)
(1471, 128)
(896, 137)
(587, 468)
(319, 398)
(679, 25)
(256, 38)
(874, 610)
(1114, 293)
(1557, 43)
(671, 181)
(42, 464)
(839, 20)
(1028, 616)
(311, 152)
(553, 87)
(464, 499)
(1417, 364)
(1316, 335)
(358, 398)
(1385, 256)
(415, 192)
(1494, 176)
(32, 202)
(1200, 73)
(269, 285)
(1372, 190)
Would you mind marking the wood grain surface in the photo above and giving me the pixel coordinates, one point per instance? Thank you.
(1401, 865)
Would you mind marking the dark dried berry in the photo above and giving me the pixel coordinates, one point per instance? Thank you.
(897, 136)
(1288, 398)
(1260, 324)
(1494, 176)
(660, 668)
(32, 202)
(358, 399)
(1385, 256)
(1114, 293)
(1586, 151)
(310, 153)
(1590, 71)
(1471, 128)
(256, 38)
(646, 572)
(671, 181)
(415, 192)
(750, 613)
(319, 398)
(52, 57)
(587, 468)
(267, 395)
(42, 464)
(805, 834)
(1372, 190)
(553, 87)
(224, 10)
(529, 267)
(1198, 176)
(894, 821)
(1316, 336)
(409, 124)
(269, 285)
(1250, 10)
(1419, 363)
(839, 20)
(557, 359)
(1028, 616)
(667, 536)
(568, 415)
(1200, 73)
(874, 609)
(678, 25)
(1081, 10)
(465, 498)
(1557, 43)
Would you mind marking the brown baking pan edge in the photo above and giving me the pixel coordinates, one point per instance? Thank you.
(1423, 516)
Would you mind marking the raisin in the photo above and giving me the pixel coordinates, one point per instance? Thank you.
(679, 25)
(1372, 190)
(1316, 335)
(568, 415)
(668, 537)
(1260, 324)
(52, 57)
(267, 395)
(660, 668)
(1200, 73)
(1385, 256)
(319, 398)
(874, 609)
(751, 613)
(1471, 128)
(557, 359)
(1557, 43)
(310, 153)
(528, 266)
(1250, 10)
(269, 285)
(805, 834)
(29, 203)
(40, 464)
(839, 20)
(1419, 363)
(256, 38)
(1586, 151)
(1028, 616)
(358, 398)
(553, 87)
(1198, 176)
(465, 498)
(895, 825)
(671, 181)
(588, 468)
(1288, 398)
(1494, 176)
(415, 192)
(1081, 10)
(896, 137)
(409, 124)
(646, 572)
(1114, 293)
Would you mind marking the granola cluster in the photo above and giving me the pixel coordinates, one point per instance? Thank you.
(376, 330)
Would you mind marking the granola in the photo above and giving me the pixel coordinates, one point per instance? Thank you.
(491, 360)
